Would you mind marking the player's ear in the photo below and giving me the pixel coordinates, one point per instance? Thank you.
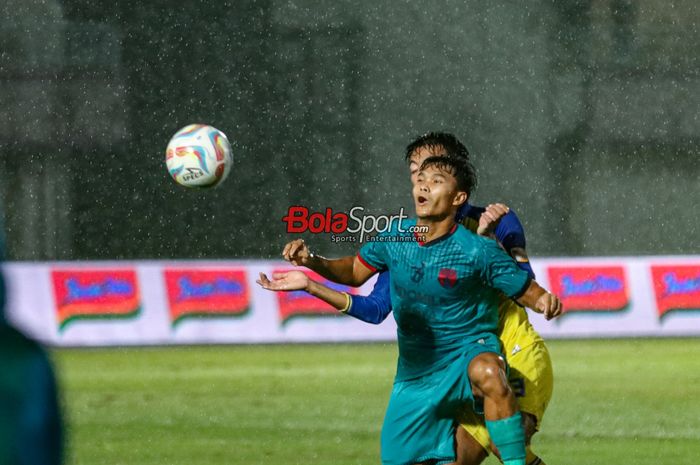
(460, 198)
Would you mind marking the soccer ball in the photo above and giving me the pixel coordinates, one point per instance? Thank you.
(199, 156)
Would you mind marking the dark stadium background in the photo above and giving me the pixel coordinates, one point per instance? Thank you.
(581, 115)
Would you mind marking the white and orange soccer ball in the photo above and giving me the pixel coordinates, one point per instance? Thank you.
(199, 155)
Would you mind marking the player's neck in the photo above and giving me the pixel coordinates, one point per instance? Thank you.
(437, 227)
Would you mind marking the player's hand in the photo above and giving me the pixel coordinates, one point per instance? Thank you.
(296, 252)
(490, 218)
(549, 305)
(287, 281)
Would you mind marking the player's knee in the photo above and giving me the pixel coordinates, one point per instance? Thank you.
(487, 374)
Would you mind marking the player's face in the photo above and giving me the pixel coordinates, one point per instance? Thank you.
(419, 155)
(435, 193)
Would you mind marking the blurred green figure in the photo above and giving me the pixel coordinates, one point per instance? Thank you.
(30, 420)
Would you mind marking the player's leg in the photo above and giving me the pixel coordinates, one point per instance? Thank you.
(469, 450)
(487, 374)
(473, 442)
(530, 427)
(529, 422)
(532, 380)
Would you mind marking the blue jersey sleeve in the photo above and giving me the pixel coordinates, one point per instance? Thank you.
(510, 234)
(375, 307)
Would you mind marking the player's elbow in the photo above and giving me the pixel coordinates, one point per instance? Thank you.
(358, 278)
(379, 317)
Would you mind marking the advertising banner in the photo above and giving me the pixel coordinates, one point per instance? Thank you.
(219, 302)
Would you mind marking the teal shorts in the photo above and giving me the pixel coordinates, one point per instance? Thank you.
(422, 414)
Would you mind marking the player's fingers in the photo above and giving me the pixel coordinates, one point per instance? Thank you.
(303, 248)
(502, 210)
(280, 275)
(559, 308)
(285, 251)
(489, 216)
(502, 206)
(499, 210)
(296, 247)
(547, 306)
(554, 307)
(262, 280)
(493, 217)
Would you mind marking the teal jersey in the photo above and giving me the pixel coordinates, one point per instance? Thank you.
(444, 293)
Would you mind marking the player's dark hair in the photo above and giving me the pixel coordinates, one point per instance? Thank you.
(460, 168)
(452, 146)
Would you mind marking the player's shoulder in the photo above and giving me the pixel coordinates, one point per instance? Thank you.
(474, 244)
(466, 236)
(468, 239)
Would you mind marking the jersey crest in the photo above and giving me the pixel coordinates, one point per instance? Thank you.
(447, 277)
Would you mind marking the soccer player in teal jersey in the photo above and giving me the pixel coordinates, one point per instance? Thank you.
(444, 293)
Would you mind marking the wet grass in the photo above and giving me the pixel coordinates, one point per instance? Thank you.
(623, 401)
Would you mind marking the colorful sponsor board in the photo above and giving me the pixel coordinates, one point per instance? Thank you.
(676, 287)
(299, 303)
(590, 288)
(94, 293)
(197, 292)
(143, 303)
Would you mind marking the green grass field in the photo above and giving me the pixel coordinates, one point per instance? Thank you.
(615, 402)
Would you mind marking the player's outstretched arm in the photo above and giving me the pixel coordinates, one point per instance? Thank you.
(346, 270)
(298, 281)
(541, 301)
